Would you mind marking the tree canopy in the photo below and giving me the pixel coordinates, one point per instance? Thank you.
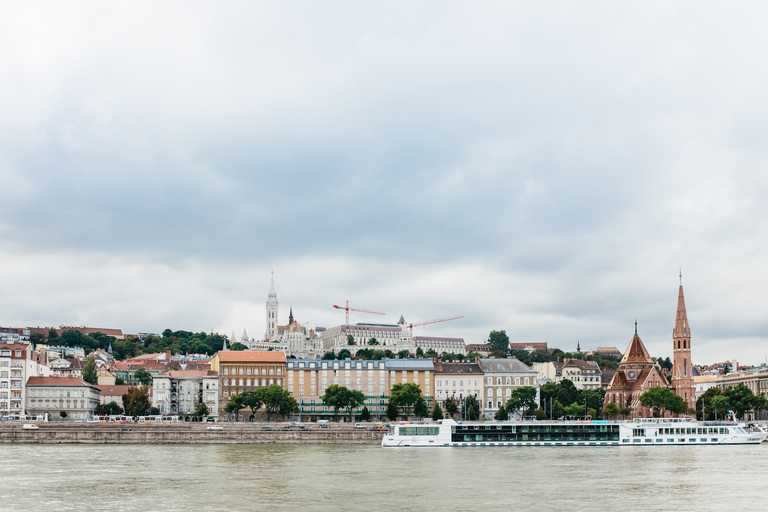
(405, 395)
(136, 401)
(660, 399)
(89, 371)
(499, 340)
(143, 376)
(523, 397)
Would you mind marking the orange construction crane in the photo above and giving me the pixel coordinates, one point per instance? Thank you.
(348, 309)
(416, 324)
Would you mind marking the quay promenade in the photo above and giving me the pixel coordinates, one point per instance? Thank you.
(185, 433)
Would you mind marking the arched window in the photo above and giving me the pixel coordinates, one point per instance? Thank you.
(685, 367)
(517, 381)
(490, 392)
(678, 343)
(509, 392)
(498, 381)
(509, 381)
(526, 381)
(490, 381)
(684, 342)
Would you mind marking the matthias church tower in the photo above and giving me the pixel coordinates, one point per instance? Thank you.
(272, 304)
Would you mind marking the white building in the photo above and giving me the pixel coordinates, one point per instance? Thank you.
(458, 381)
(16, 367)
(54, 395)
(179, 392)
(395, 337)
(441, 345)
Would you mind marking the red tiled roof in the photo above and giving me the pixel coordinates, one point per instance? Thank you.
(247, 356)
(116, 390)
(57, 381)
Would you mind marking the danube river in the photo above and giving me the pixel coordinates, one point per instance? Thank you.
(360, 477)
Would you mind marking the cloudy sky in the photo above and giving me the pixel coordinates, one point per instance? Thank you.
(540, 167)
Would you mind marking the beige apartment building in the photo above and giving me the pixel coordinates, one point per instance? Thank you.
(307, 380)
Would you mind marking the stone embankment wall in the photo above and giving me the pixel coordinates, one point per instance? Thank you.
(52, 433)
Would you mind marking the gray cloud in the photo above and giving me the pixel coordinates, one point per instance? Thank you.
(543, 170)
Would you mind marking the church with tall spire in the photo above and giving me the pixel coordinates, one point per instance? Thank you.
(637, 374)
(682, 378)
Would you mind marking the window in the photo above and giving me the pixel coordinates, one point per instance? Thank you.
(498, 381)
(526, 381)
(509, 381)
(490, 381)
(226, 371)
(248, 371)
(226, 382)
(517, 381)
(241, 380)
(248, 382)
(490, 393)
(241, 371)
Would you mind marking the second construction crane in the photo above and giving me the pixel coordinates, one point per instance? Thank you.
(347, 308)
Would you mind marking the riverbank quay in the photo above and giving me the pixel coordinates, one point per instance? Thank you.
(185, 433)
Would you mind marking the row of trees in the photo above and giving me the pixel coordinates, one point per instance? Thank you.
(715, 403)
(559, 399)
(178, 342)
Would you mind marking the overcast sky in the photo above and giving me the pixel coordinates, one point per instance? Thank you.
(540, 167)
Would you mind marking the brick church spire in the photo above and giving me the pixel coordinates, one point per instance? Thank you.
(682, 379)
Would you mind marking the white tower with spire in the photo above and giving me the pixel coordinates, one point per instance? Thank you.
(272, 304)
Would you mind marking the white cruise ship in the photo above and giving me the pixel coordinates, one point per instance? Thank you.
(639, 432)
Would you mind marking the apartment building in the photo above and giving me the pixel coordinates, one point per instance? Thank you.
(16, 366)
(501, 377)
(246, 370)
(50, 396)
(180, 392)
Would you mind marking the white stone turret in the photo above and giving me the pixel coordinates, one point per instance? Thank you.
(272, 306)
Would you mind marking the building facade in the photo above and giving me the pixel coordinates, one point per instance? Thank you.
(500, 378)
(441, 345)
(458, 381)
(307, 380)
(50, 396)
(246, 370)
(17, 365)
(180, 392)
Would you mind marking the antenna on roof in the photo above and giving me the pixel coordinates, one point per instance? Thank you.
(635, 326)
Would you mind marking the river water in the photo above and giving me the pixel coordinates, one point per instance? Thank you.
(360, 477)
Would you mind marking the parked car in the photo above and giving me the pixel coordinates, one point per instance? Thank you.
(325, 425)
(215, 427)
(359, 425)
(266, 427)
(30, 426)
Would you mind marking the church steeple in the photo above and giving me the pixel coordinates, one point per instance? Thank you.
(290, 316)
(682, 380)
(270, 334)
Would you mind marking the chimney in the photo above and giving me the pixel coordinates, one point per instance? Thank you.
(168, 355)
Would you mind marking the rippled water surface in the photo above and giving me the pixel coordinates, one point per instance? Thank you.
(353, 477)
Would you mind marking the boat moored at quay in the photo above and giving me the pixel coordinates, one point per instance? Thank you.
(638, 432)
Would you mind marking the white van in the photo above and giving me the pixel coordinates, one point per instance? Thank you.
(30, 426)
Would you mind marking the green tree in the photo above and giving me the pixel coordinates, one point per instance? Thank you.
(89, 371)
(235, 404)
(704, 409)
(420, 410)
(499, 340)
(611, 410)
(437, 412)
(352, 400)
(201, 410)
(566, 392)
(274, 398)
(595, 398)
(329, 356)
(344, 353)
(419, 352)
(431, 353)
(36, 339)
(404, 354)
(373, 341)
(741, 399)
(252, 400)
(660, 399)
(52, 334)
(365, 414)
(501, 414)
(405, 395)
(541, 414)
(63, 414)
(721, 406)
(143, 376)
(575, 409)
(625, 411)
(558, 411)
(136, 401)
(351, 340)
(119, 381)
(471, 408)
(392, 411)
(154, 411)
(523, 397)
(237, 347)
(451, 406)
(289, 405)
(110, 409)
(335, 396)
